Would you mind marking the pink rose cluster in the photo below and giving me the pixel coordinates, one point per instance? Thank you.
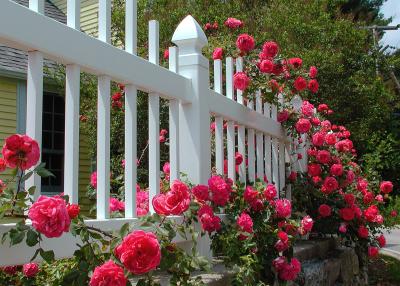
(287, 271)
(19, 151)
(175, 202)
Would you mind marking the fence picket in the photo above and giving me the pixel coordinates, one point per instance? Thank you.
(154, 118)
(130, 115)
(219, 130)
(282, 166)
(239, 68)
(267, 146)
(251, 160)
(173, 122)
(275, 163)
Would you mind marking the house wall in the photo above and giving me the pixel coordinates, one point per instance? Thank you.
(89, 14)
(8, 126)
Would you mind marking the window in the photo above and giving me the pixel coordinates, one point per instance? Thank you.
(53, 142)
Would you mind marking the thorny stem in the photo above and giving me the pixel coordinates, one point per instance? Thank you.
(18, 189)
(100, 231)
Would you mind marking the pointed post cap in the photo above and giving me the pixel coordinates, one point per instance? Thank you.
(189, 36)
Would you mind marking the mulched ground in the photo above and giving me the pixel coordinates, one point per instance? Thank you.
(384, 271)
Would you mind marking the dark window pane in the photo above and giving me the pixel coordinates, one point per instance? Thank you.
(59, 104)
(47, 141)
(47, 103)
(47, 122)
(59, 123)
(46, 181)
(58, 141)
(57, 162)
(57, 180)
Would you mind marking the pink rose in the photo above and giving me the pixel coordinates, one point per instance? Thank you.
(174, 202)
(345, 145)
(166, 168)
(93, 180)
(343, 228)
(30, 269)
(250, 194)
(116, 205)
(330, 138)
(386, 187)
(313, 86)
(314, 169)
(300, 83)
(373, 251)
(370, 213)
(295, 62)
(303, 125)
(381, 240)
(323, 156)
(201, 193)
(139, 252)
(241, 81)
(73, 210)
(363, 232)
(245, 223)
(108, 274)
(218, 54)
(270, 192)
(283, 208)
(290, 270)
(347, 214)
(330, 185)
(307, 224)
(233, 23)
(324, 210)
(220, 190)
(49, 216)
(166, 54)
(3, 165)
(270, 49)
(238, 159)
(266, 66)
(283, 116)
(142, 202)
(210, 223)
(307, 109)
(318, 138)
(313, 72)
(20, 151)
(336, 170)
(245, 43)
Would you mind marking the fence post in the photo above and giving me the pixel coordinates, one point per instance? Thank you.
(194, 120)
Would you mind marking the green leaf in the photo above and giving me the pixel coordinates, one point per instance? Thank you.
(32, 190)
(26, 176)
(44, 173)
(16, 236)
(36, 254)
(48, 256)
(32, 238)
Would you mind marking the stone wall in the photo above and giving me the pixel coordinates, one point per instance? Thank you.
(326, 263)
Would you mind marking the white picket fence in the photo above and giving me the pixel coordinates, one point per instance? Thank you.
(191, 105)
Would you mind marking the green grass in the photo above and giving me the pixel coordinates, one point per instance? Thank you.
(384, 271)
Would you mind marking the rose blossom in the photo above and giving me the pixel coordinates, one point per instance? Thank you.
(313, 72)
(283, 116)
(266, 66)
(142, 202)
(330, 139)
(10, 270)
(318, 138)
(283, 243)
(218, 54)
(313, 86)
(93, 180)
(241, 81)
(174, 202)
(20, 151)
(300, 83)
(49, 216)
(381, 240)
(108, 274)
(270, 192)
(363, 232)
(336, 170)
(349, 199)
(283, 208)
(73, 210)
(278, 263)
(323, 156)
(139, 252)
(270, 49)
(373, 251)
(233, 23)
(245, 223)
(347, 214)
(303, 125)
(220, 190)
(314, 169)
(307, 109)
(324, 210)
(3, 165)
(345, 145)
(30, 269)
(166, 54)
(245, 43)
(295, 62)
(290, 270)
(250, 194)
(306, 224)
(343, 228)
(386, 187)
(210, 223)
(238, 158)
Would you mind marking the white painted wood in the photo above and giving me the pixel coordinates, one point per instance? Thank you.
(275, 163)
(173, 122)
(74, 14)
(130, 114)
(282, 167)
(259, 106)
(218, 76)
(105, 21)
(230, 110)
(219, 145)
(34, 109)
(274, 112)
(119, 65)
(103, 147)
(71, 163)
(250, 155)
(229, 78)
(194, 120)
(242, 150)
(37, 6)
(267, 146)
(230, 135)
(154, 118)
(289, 158)
(239, 68)
(260, 155)
(130, 150)
(131, 26)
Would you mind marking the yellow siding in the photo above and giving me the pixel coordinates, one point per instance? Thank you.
(88, 14)
(8, 112)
